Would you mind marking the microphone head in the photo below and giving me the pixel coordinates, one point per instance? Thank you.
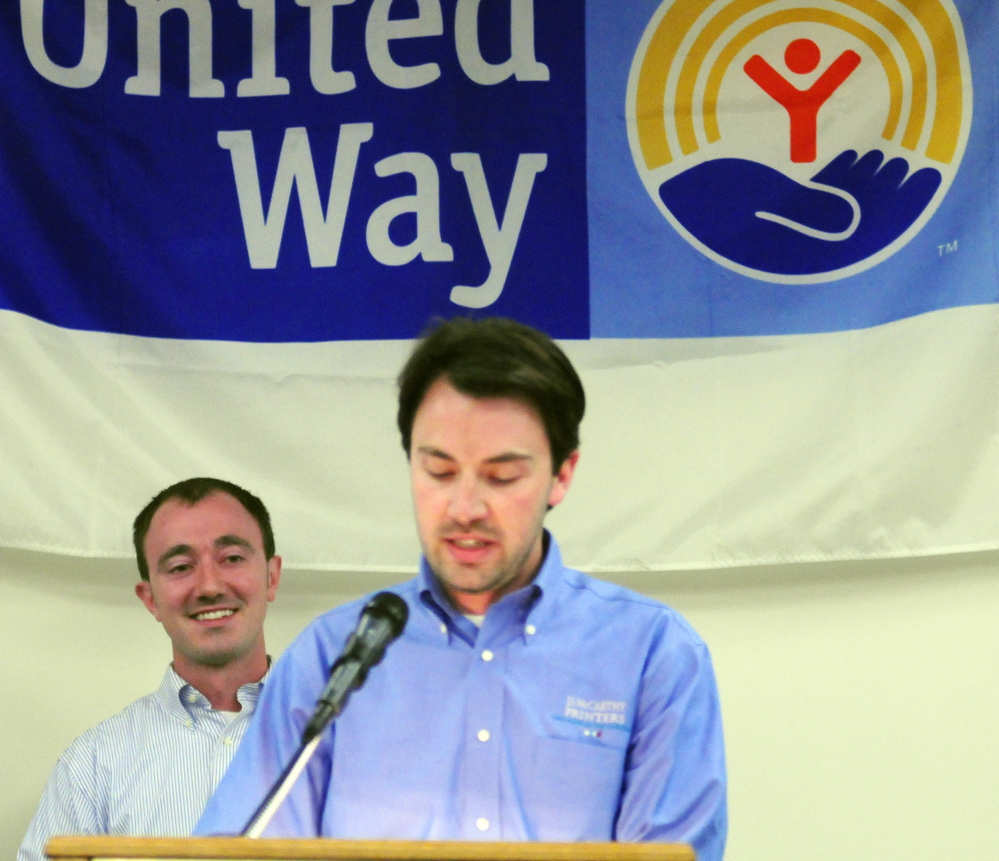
(389, 606)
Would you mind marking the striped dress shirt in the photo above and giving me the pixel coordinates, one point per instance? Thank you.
(149, 770)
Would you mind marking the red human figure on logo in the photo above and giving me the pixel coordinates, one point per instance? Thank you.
(802, 56)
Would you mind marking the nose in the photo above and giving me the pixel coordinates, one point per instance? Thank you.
(210, 583)
(467, 504)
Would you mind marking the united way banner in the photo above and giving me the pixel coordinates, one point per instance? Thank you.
(766, 231)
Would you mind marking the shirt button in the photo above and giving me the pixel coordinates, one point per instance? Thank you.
(482, 823)
(192, 698)
(530, 629)
(189, 722)
(227, 740)
(443, 628)
(486, 656)
(483, 735)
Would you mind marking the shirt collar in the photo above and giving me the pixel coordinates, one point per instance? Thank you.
(541, 592)
(182, 700)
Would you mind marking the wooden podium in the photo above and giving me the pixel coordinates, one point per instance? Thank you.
(244, 849)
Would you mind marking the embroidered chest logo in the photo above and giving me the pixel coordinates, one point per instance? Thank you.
(595, 715)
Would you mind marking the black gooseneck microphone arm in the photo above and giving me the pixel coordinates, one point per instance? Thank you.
(381, 622)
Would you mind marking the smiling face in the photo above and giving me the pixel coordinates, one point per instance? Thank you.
(482, 482)
(209, 583)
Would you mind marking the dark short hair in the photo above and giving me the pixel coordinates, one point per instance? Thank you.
(192, 491)
(497, 358)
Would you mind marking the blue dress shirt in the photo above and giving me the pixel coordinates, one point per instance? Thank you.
(579, 711)
(147, 771)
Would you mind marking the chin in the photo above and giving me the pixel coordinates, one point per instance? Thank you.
(216, 657)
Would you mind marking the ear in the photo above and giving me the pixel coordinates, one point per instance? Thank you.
(562, 479)
(273, 576)
(144, 592)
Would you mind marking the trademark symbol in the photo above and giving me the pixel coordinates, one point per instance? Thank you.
(947, 248)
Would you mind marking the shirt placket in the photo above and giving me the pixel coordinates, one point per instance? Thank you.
(225, 746)
(481, 809)
(219, 732)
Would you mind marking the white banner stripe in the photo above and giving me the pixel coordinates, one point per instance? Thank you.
(697, 453)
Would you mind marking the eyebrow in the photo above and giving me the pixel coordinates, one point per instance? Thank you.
(434, 452)
(509, 457)
(506, 457)
(221, 541)
(231, 540)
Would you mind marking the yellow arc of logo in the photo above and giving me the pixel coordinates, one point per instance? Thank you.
(682, 16)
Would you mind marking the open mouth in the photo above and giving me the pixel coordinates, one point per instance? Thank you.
(469, 543)
(469, 551)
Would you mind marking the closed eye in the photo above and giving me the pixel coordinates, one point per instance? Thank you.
(179, 568)
(503, 479)
(506, 472)
(439, 468)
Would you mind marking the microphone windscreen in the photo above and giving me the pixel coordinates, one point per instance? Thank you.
(391, 607)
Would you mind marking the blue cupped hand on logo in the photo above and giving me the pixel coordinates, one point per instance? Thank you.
(756, 216)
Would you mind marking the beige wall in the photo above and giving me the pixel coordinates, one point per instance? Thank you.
(861, 700)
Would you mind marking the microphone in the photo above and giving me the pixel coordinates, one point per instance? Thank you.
(381, 622)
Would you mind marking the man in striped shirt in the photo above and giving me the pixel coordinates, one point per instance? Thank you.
(205, 552)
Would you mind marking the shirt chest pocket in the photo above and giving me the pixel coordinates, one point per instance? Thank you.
(578, 786)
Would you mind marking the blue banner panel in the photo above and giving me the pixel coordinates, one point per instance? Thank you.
(293, 171)
(776, 166)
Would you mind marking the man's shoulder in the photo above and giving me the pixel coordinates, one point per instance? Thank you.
(604, 590)
(600, 591)
(349, 613)
(115, 735)
(613, 599)
(335, 625)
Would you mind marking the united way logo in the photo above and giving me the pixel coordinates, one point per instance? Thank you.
(800, 143)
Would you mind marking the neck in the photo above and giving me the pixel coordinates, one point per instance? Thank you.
(477, 603)
(472, 603)
(219, 685)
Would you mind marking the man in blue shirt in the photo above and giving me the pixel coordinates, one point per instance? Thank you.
(524, 700)
(205, 552)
